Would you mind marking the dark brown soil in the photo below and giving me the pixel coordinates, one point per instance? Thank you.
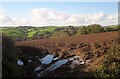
(84, 42)
(90, 38)
(91, 46)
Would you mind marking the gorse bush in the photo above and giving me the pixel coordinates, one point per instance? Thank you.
(10, 54)
(111, 66)
(82, 30)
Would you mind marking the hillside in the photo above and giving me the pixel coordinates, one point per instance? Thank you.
(90, 38)
(87, 51)
(92, 48)
(23, 33)
(90, 55)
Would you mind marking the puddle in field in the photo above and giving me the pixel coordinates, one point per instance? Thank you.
(53, 67)
(20, 62)
(56, 65)
(75, 60)
(47, 59)
(50, 63)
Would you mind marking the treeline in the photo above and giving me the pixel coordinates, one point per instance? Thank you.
(72, 30)
(95, 28)
(22, 33)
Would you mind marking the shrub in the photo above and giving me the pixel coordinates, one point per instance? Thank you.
(10, 55)
(111, 66)
(82, 30)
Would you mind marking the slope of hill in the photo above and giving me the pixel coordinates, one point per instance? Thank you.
(30, 32)
(90, 38)
(96, 52)
(89, 47)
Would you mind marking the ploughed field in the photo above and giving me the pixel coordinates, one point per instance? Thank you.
(88, 38)
(78, 43)
(91, 48)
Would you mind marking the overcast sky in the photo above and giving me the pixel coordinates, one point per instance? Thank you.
(58, 13)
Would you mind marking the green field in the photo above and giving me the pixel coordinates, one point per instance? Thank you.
(41, 30)
(30, 32)
(13, 32)
(19, 33)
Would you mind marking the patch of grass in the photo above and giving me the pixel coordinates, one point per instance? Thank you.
(31, 34)
(41, 30)
(13, 32)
